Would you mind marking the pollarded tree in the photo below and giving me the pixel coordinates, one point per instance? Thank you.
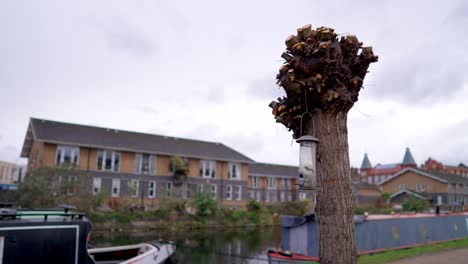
(322, 76)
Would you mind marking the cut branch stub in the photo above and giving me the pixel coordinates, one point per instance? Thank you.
(321, 72)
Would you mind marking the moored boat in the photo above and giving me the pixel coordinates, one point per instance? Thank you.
(62, 236)
(374, 233)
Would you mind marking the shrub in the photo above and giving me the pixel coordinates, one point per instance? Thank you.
(254, 206)
(205, 204)
(415, 205)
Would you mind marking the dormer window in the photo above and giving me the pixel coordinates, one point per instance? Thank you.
(67, 155)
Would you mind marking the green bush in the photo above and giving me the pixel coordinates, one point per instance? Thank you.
(254, 206)
(205, 204)
(416, 205)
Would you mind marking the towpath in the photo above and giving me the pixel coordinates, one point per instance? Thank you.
(457, 256)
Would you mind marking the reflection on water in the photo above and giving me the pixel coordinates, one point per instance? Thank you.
(203, 246)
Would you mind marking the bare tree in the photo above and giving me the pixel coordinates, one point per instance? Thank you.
(322, 76)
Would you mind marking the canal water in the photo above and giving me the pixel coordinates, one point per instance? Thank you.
(239, 245)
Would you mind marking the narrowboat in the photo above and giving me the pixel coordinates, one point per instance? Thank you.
(62, 236)
(374, 233)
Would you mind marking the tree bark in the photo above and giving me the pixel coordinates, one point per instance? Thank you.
(334, 202)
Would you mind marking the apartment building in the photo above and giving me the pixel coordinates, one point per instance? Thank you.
(7, 172)
(131, 164)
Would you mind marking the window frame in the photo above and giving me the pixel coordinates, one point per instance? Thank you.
(152, 185)
(97, 184)
(169, 187)
(60, 153)
(238, 171)
(273, 185)
(115, 184)
(115, 160)
(207, 166)
(134, 186)
(229, 192)
(254, 181)
(214, 190)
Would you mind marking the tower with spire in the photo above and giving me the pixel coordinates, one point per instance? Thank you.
(408, 160)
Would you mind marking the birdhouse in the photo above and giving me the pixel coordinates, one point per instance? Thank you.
(307, 162)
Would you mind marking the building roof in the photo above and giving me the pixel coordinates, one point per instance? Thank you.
(438, 176)
(98, 137)
(408, 158)
(410, 192)
(366, 163)
(266, 169)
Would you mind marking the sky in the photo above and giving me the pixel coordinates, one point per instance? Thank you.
(206, 70)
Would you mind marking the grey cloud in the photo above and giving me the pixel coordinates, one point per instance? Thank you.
(433, 67)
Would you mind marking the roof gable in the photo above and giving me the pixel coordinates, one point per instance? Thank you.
(98, 137)
(419, 172)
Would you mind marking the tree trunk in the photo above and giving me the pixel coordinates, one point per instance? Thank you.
(334, 202)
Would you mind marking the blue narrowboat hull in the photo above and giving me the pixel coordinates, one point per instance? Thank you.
(377, 233)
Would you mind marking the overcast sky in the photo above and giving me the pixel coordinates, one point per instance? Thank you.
(206, 70)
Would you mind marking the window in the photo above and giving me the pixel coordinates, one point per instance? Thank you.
(229, 192)
(134, 185)
(466, 189)
(200, 188)
(369, 179)
(96, 185)
(145, 164)
(71, 185)
(238, 193)
(457, 188)
(184, 191)
(108, 160)
(169, 189)
(267, 197)
(420, 187)
(302, 196)
(259, 196)
(67, 155)
(208, 168)
(251, 195)
(152, 189)
(271, 182)
(234, 171)
(449, 188)
(402, 186)
(213, 190)
(286, 184)
(282, 197)
(115, 187)
(254, 182)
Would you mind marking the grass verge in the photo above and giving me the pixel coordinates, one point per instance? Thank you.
(395, 255)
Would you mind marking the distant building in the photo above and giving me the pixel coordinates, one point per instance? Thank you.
(138, 165)
(381, 172)
(274, 183)
(437, 187)
(7, 172)
(434, 165)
